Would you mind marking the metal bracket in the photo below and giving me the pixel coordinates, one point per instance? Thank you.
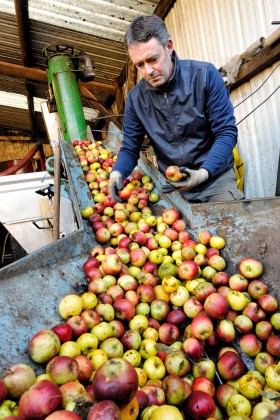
(50, 226)
(46, 191)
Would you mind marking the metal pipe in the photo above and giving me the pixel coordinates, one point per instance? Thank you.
(56, 218)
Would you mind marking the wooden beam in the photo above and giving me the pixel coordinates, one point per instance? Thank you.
(38, 75)
(15, 138)
(265, 58)
(163, 8)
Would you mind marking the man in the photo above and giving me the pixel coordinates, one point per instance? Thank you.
(184, 109)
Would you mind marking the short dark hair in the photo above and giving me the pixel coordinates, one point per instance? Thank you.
(143, 28)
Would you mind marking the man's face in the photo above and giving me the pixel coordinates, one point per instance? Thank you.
(152, 60)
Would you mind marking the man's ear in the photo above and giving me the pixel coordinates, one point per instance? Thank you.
(169, 46)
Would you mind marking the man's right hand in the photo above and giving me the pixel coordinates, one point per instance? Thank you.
(115, 184)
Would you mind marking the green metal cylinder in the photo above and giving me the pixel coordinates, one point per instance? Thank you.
(61, 74)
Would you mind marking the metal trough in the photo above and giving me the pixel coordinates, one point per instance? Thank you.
(32, 287)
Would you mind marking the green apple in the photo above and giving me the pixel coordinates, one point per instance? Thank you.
(154, 367)
(87, 342)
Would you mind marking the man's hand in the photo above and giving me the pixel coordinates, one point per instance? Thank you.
(115, 184)
(193, 179)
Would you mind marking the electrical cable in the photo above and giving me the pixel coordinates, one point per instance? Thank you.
(253, 110)
(245, 99)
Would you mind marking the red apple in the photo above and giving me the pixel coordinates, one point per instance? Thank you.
(250, 268)
(268, 303)
(3, 391)
(212, 251)
(176, 317)
(238, 282)
(64, 332)
(91, 318)
(146, 293)
(243, 324)
(78, 325)
(102, 235)
(173, 173)
(230, 366)
(62, 369)
(174, 389)
(204, 237)
(257, 288)
(43, 346)
(216, 306)
(203, 290)
(112, 264)
(124, 309)
(142, 398)
(220, 279)
(103, 410)
(137, 257)
(188, 270)
(204, 384)
(250, 344)
(85, 367)
(225, 330)
(273, 345)
(42, 399)
(131, 340)
(199, 405)
(170, 215)
(254, 312)
(263, 330)
(180, 226)
(168, 333)
(193, 348)
(62, 414)
(155, 393)
(223, 393)
(201, 327)
(117, 380)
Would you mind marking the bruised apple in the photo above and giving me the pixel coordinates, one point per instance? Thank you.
(117, 380)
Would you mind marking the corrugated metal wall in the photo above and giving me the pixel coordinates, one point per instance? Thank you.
(215, 31)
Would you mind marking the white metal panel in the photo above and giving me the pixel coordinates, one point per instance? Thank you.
(215, 31)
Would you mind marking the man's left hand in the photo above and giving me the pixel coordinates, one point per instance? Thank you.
(193, 179)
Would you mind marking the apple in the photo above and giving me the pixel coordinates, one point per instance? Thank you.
(137, 257)
(112, 347)
(237, 300)
(275, 321)
(199, 405)
(262, 410)
(73, 391)
(272, 376)
(254, 312)
(263, 330)
(154, 367)
(78, 325)
(188, 270)
(204, 384)
(203, 290)
(131, 295)
(147, 348)
(224, 349)
(250, 268)
(238, 405)
(43, 346)
(230, 366)
(62, 369)
(85, 368)
(208, 272)
(104, 298)
(159, 309)
(217, 262)
(257, 288)
(174, 389)
(216, 305)
(127, 282)
(273, 345)
(238, 282)
(91, 262)
(268, 303)
(176, 363)
(104, 409)
(143, 308)
(3, 391)
(225, 330)
(263, 360)
(243, 324)
(250, 386)
(193, 348)
(173, 173)
(70, 305)
(156, 395)
(40, 400)
(184, 235)
(64, 332)
(124, 309)
(204, 367)
(142, 398)
(17, 379)
(102, 235)
(220, 279)
(139, 323)
(117, 380)
(112, 264)
(90, 317)
(168, 333)
(201, 327)
(146, 293)
(117, 328)
(192, 307)
(169, 216)
(250, 344)
(217, 242)
(176, 317)
(69, 348)
(223, 393)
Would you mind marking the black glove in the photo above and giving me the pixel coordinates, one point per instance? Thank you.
(115, 184)
(193, 179)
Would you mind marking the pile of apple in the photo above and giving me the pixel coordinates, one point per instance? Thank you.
(135, 345)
